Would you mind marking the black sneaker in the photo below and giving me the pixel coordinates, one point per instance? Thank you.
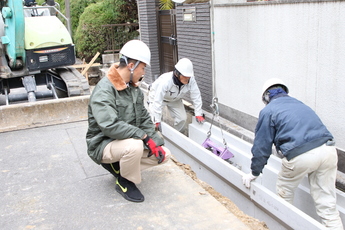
(128, 190)
(113, 168)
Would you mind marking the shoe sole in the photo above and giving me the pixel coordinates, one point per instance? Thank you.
(119, 190)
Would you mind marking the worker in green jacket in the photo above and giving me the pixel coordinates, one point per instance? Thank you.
(121, 136)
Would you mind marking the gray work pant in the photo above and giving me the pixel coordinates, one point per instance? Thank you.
(177, 112)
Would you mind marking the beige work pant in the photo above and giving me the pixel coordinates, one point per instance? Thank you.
(132, 157)
(320, 164)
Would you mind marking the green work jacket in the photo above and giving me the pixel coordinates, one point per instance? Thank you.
(116, 111)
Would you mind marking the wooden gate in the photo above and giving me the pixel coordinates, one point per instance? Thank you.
(167, 40)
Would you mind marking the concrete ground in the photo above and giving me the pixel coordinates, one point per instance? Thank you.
(49, 182)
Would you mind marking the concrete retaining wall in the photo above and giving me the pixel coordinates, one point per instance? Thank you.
(43, 113)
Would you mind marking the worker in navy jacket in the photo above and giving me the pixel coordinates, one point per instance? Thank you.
(307, 148)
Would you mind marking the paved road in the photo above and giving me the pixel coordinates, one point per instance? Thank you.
(49, 182)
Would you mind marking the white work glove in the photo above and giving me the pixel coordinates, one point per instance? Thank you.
(246, 179)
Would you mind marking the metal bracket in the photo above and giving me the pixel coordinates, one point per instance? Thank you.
(29, 83)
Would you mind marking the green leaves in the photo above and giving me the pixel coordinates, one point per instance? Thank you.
(166, 5)
(90, 36)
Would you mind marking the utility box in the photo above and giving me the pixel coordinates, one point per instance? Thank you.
(110, 58)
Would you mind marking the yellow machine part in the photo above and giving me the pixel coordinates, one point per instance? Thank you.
(45, 31)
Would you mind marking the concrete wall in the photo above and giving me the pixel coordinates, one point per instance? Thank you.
(43, 113)
(302, 43)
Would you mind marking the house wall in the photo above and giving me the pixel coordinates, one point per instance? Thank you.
(147, 12)
(302, 43)
(299, 42)
(194, 42)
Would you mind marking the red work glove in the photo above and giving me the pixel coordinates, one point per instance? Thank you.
(158, 127)
(158, 151)
(200, 119)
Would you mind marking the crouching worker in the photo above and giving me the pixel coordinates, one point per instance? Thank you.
(121, 136)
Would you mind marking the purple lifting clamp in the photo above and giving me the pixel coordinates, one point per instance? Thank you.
(224, 153)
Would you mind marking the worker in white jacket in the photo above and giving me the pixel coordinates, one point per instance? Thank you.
(169, 89)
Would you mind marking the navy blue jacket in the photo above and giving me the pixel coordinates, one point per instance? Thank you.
(291, 126)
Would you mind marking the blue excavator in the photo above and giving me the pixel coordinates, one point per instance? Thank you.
(36, 54)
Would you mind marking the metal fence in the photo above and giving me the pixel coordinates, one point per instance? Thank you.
(116, 35)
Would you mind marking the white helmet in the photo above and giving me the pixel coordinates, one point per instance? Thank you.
(185, 67)
(268, 84)
(137, 50)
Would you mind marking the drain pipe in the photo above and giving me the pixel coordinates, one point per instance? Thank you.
(214, 92)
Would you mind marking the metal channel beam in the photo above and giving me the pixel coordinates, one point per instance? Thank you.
(242, 151)
(258, 201)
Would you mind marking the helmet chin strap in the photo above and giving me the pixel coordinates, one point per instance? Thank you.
(131, 69)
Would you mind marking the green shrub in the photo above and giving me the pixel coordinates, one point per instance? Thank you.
(90, 36)
(77, 8)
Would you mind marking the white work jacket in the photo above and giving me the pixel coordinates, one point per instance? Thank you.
(164, 89)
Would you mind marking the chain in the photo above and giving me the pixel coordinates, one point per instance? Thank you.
(215, 109)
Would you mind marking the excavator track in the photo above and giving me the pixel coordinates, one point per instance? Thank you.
(76, 83)
(60, 82)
